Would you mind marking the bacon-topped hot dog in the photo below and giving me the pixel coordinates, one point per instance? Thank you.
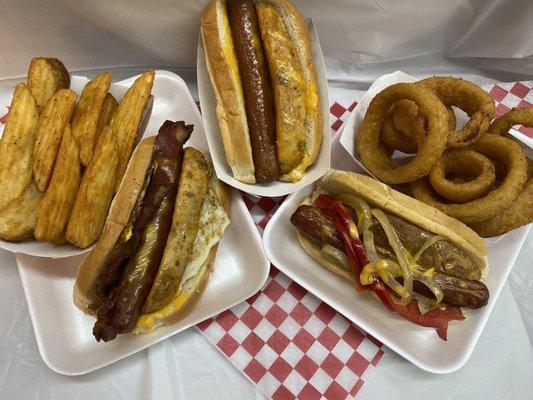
(160, 239)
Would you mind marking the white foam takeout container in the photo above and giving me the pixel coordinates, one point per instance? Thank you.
(208, 105)
(64, 333)
(44, 249)
(419, 345)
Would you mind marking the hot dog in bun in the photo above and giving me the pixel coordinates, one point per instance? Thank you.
(268, 105)
(421, 263)
(159, 243)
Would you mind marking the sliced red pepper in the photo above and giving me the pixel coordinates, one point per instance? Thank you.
(437, 319)
(341, 218)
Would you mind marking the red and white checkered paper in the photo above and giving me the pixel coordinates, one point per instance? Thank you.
(287, 341)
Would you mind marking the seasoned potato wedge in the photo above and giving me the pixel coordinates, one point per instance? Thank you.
(45, 77)
(17, 219)
(54, 117)
(85, 118)
(109, 106)
(95, 194)
(16, 145)
(126, 121)
(57, 203)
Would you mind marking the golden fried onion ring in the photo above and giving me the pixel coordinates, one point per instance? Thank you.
(465, 162)
(516, 215)
(374, 153)
(517, 116)
(502, 150)
(470, 98)
(404, 127)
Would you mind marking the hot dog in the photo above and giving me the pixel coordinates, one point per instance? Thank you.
(116, 278)
(404, 251)
(261, 57)
(458, 291)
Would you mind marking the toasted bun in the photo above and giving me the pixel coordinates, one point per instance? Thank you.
(182, 305)
(380, 195)
(118, 216)
(224, 72)
(296, 28)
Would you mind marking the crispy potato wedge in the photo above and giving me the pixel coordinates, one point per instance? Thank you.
(192, 190)
(16, 145)
(95, 194)
(109, 106)
(45, 77)
(17, 219)
(127, 119)
(85, 118)
(54, 117)
(56, 205)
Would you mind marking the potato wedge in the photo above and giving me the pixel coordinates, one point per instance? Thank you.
(192, 190)
(85, 118)
(56, 205)
(54, 117)
(45, 77)
(16, 145)
(127, 118)
(95, 194)
(109, 106)
(17, 219)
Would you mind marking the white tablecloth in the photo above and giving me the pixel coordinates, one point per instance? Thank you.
(187, 366)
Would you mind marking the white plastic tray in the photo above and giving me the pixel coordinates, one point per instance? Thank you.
(419, 345)
(64, 333)
(208, 104)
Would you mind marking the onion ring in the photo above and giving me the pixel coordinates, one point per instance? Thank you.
(395, 140)
(495, 147)
(374, 153)
(404, 128)
(517, 116)
(464, 162)
(518, 214)
(470, 98)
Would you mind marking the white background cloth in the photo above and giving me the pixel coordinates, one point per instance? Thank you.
(362, 39)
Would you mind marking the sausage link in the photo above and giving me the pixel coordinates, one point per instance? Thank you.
(256, 88)
(457, 291)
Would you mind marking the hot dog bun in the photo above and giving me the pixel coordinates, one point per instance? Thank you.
(381, 196)
(224, 72)
(297, 100)
(119, 213)
(210, 222)
(236, 38)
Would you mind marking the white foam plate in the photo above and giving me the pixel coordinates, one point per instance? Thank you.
(64, 333)
(77, 83)
(208, 104)
(419, 345)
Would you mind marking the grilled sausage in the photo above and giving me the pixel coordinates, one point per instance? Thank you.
(126, 279)
(256, 87)
(457, 291)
